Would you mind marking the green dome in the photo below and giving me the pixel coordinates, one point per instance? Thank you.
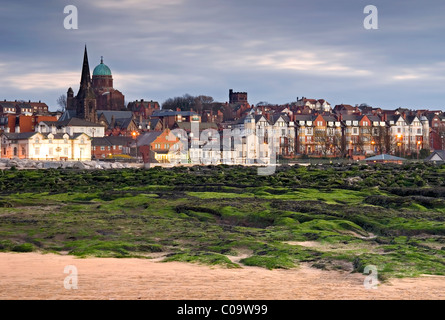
(102, 70)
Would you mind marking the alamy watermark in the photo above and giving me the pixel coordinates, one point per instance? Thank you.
(71, 21)
(371, 21)
(371, 280)
(70, 281)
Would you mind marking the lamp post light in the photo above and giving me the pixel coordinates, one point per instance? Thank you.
(418, 146)
(399, 143)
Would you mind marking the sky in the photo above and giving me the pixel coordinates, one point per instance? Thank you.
(276, 50)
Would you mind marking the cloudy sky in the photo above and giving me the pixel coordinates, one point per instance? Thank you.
(276, 50)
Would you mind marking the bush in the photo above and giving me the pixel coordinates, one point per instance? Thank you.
(25, 247)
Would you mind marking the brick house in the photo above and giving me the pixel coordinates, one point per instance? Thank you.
(159, 146)
(103, 147)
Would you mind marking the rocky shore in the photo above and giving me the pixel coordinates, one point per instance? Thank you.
(83, 165)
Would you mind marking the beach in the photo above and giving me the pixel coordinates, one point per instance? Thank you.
(42, 277)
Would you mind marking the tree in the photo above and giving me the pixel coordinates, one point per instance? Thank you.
(322, 141)
(61, 102)
(338, 143)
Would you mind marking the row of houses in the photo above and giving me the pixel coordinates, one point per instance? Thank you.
(255, 138)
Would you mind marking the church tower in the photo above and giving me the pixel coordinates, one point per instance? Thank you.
(84, 104)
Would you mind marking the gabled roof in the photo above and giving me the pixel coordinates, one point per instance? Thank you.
(58, 136)
(439, 153)
(258, 117)
(374, 118)
(384, 157)
(123, 123)
(116, 114)
(276, 117)
(410, 119)
(68, 114)
(147, 138)
(154, 123)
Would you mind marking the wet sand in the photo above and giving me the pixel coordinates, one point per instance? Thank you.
(41, 276)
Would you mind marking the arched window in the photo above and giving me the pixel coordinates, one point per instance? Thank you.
(15, 151)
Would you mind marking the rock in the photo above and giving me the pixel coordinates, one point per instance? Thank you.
(354, 180)
(79, 165)
(52, 165)
(106, 165)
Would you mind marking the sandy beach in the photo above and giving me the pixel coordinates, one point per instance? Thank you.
(41, 276)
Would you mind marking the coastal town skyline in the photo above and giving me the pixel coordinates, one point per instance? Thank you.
(275, 51)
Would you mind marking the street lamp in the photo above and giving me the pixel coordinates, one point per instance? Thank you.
(399, 144)
(418, 146)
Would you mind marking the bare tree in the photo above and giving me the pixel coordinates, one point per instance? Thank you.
(61, 102)
(338, 144)
(322, 141)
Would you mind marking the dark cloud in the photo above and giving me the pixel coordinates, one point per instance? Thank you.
(275, 50)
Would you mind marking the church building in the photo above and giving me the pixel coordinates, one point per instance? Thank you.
(96, 93)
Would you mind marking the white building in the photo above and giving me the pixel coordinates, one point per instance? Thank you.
(72, 126)
(46, 146)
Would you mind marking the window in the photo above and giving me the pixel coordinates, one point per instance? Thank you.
(50, 151)
(23, 151)
(354, 130)
(50, 141)
(120, 147)
(15, 152)
(37, 140)
(102, 148)
(319, 123)
(309, 131)
(65, 151)
(37, 151)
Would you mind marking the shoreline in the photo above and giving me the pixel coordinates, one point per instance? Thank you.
(37, 276)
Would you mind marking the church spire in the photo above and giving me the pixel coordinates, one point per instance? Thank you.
(85, 79)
